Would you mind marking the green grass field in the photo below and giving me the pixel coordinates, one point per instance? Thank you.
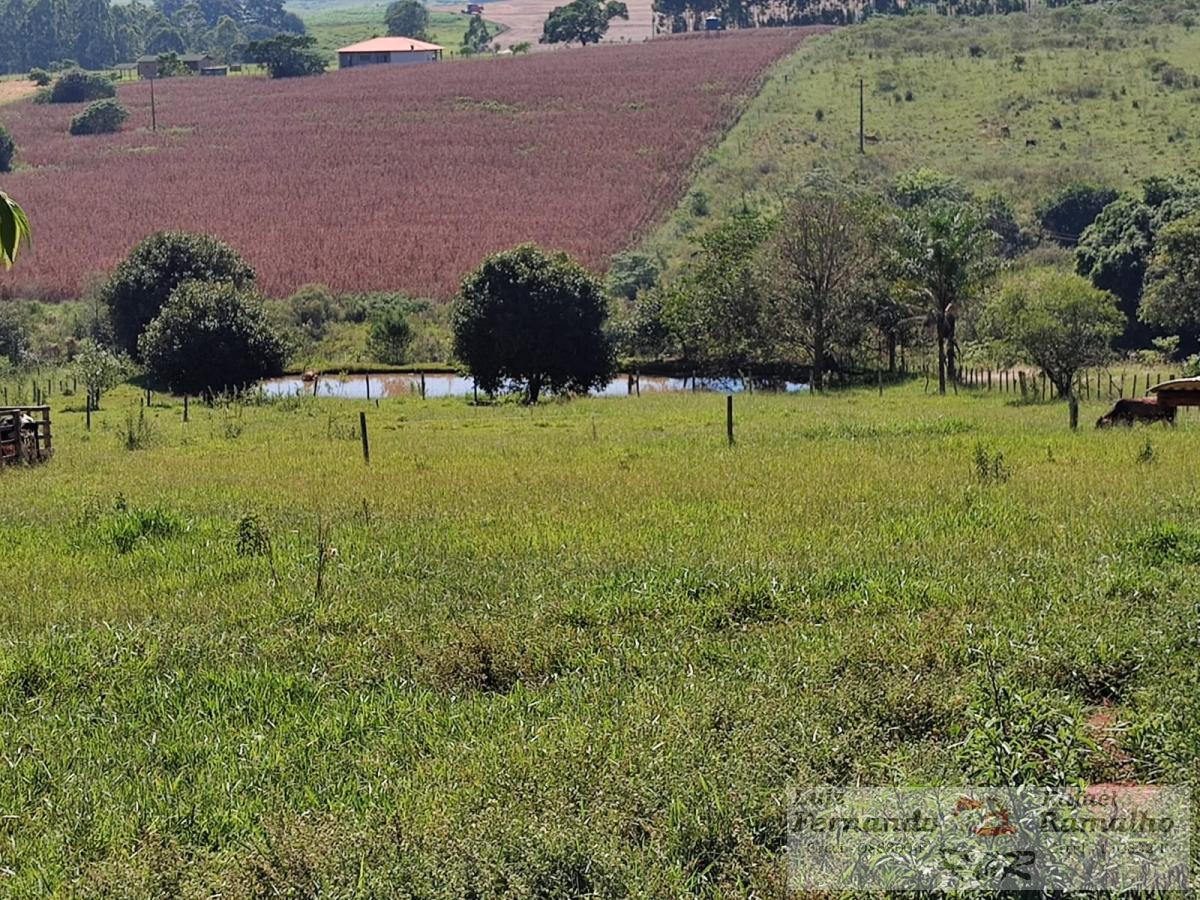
(338, 26)
(1104, 99)
(576, 650)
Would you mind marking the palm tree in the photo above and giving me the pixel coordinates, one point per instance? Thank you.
(14, 229)
(944, 257)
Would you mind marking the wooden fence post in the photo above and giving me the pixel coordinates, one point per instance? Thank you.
(185, 407)
(362, 427)
(729, 418)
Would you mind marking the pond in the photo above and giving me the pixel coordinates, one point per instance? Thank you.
(408, 384)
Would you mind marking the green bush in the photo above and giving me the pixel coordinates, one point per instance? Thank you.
(7, 150)
(81, 87)
(40, 77)
(142, 282)
(390, 336)
(311, 309)
(211, 338)
(101, 117)
(15, 337)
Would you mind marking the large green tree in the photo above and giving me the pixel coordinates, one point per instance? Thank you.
(210, 338)
(477, 36)
(407, 18)
(1066, 214)
(943, 259)
(717, 313)
(533, 321)
(1056, 321)
(287, 55)
(145, 279)
(1115, 250)
(1172, 297)
(585, 21)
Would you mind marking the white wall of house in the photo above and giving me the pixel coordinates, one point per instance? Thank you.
(406, 57)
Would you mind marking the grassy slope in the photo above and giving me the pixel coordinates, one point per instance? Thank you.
(338, 26)
(584, 644)
(1090, 71)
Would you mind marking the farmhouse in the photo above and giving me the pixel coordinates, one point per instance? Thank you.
(394, 50)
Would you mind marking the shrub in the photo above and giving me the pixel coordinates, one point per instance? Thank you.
(142, 282)
(81, 87)
(101, 117)
(920, 186)
(210, 338)
(40, 77)
(312, 308)
(390, 336)
(7, 150)
(533, 321)
(15, 337)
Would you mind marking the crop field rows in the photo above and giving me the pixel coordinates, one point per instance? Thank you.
(386, 178)
(579, 649)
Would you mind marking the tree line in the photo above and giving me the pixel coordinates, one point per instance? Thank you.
(842, 279)
(97, 34)
(689, 15)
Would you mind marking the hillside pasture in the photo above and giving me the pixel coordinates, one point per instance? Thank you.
(398, 178)
(1016, 105)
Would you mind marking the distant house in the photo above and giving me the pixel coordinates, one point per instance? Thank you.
(147, 66)
(384, 50)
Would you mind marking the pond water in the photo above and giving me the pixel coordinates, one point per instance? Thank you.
(408, 384)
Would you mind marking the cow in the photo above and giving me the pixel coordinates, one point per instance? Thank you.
(1139, 409)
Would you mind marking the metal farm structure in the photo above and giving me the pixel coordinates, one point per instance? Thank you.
(25, 435)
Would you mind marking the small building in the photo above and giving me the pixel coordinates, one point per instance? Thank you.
(388, 50)
(713, 23)
(147, 66)
(215, 71)
(197, 62)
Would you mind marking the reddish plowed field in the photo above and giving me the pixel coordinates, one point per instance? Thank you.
(385, 178)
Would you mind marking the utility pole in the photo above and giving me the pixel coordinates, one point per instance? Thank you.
(862, 118)
(153, 111)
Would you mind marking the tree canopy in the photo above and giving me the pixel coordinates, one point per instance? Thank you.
(477, 37)
(210, 338)
(585, 21)
(407, 18)
(1172, 296)
(1065, 215)
(96, 34)
(142, 282)
(823, 257)
(1056, 321)
(533, 321)
(287, 55)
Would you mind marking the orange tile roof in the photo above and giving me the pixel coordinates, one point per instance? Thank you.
(389, 45)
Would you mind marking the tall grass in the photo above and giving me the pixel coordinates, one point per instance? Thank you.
(581, 649)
